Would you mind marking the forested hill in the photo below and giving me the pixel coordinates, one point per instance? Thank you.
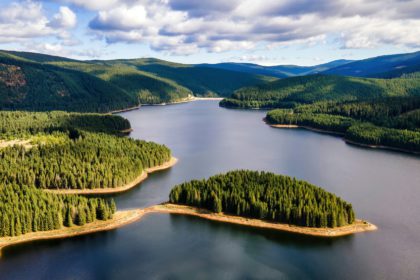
(201, 80)
(39, 82)
(290, 92)
(28, 85)
(32, 81)
(266, 196)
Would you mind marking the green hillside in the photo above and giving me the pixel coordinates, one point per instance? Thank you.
(201, 80)
(29, 85)
(32, 81)
(145, 87)
(288, 93)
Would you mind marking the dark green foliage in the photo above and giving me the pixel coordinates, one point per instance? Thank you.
(90, 161)
(267, 196)
(321, 121)
(65, 153)
(358, 130)
(17, 123)
(145, 87)
(287, 93)
(25, 209)
(333, 103)
(393, 112)
(31, 81)
(373, 135)
(34, 86)
(205, 81)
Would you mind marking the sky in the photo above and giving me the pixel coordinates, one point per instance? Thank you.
(267, 32)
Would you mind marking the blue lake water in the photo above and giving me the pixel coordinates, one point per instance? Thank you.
(383, 186)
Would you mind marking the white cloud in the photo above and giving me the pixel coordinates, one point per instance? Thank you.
(65, 18)
(93, 4)
(216, 26)
(26, 20)
(187, 26)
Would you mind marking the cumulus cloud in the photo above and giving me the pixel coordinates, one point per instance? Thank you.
(65, 18)
(26, 20)
(188, 26)
(184, 26)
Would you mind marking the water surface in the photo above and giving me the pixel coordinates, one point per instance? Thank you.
(383, 186)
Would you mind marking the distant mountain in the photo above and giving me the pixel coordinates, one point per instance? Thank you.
(387, 66)
(279, 71)
(201, 80)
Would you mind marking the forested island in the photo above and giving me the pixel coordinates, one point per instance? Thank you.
(270, 198)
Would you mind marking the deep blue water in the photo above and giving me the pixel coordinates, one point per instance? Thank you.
(383, 186)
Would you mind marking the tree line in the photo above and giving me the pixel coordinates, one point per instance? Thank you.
(267, 196)
(291, 92)
(24, 209)
(14, 124)
(90, 160)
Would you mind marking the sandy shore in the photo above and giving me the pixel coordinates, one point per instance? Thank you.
(356, 227)
(208, 98)
(124, 110)
(306, 127)
(122, 218)
(124, 188)
(119, 219)
(186, 100)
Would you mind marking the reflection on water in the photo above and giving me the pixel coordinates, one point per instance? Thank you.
(383, 186)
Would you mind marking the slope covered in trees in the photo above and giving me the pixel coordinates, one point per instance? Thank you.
(390, 122)
(290, 92)
(15, 124)
(27, 85)
(25, 209)
(145, 87)
(68, 151)
(201, 80)
(31, 81)
(267, 196)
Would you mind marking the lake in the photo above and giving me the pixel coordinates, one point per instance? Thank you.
(383, 186)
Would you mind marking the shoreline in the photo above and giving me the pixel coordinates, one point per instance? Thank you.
(185, 100)
(356, 227)
(119, 219)
(125, 217)
(143, 176)
(124, 110)
(350, 142)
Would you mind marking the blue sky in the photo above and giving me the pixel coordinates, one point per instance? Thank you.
(269, 32)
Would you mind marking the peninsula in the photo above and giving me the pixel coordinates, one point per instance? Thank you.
(112, 190)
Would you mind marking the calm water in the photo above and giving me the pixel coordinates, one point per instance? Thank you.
(384, 188)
